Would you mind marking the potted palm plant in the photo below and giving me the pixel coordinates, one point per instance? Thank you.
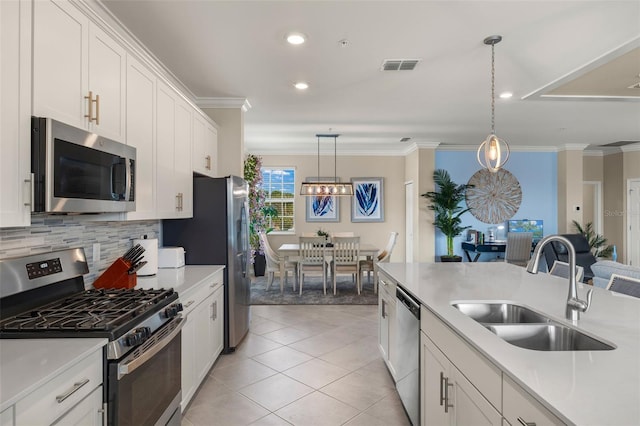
(597, 242)
(445, 203)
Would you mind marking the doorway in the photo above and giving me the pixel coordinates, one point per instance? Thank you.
(592, 205)
(633, 222)
(408, 251)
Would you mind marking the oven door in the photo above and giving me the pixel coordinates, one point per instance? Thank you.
(144, 387)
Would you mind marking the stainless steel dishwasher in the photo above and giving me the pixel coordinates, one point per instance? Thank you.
(408, 354)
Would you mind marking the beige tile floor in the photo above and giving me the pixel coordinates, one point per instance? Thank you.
(301, 365)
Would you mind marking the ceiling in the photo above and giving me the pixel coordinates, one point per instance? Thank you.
(569, 65)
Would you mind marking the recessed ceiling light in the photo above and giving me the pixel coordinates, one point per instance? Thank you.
(296, 38)
(301, 85)
(506, 95)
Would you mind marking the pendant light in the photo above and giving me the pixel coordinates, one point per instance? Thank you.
(314, 189)
(493, 150)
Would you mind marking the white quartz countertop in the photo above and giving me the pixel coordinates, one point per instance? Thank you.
(581, 387)
(26, 364)
(180, 279)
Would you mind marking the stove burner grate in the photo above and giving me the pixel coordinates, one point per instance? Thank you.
(104, 309)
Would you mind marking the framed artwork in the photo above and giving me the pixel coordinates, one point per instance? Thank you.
(322, 208)
(368, 200)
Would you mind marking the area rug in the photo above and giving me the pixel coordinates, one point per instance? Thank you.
(312, 293)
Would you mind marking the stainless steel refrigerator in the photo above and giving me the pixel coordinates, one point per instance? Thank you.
(218, 234)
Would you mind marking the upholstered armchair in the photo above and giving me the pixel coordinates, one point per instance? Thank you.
(557, 251)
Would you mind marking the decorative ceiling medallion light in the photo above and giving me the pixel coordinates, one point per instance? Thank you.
(318, 188)
(296, 38)
(493, 150)
(301, 85)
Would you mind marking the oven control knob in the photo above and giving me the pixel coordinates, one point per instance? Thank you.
(137, 336)
(172, 310)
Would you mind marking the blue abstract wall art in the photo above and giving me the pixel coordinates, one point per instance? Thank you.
(367, 203)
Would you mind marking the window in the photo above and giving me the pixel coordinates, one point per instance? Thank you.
(279, 187)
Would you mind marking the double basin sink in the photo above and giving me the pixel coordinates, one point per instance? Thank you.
(526, 328)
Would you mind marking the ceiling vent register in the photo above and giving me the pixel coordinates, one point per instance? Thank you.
(399, 64)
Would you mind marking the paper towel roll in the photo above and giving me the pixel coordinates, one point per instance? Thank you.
(150, 246)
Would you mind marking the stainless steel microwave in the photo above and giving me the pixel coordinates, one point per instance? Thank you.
(75, 171)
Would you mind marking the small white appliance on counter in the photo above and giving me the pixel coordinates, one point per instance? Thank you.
(170, 257)
(150, 246)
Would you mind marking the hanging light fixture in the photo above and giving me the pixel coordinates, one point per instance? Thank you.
(493, 150)
(314, 189)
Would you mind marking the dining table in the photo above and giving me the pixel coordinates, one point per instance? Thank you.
(288, 250)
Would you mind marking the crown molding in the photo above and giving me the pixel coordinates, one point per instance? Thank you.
(518, 148)
(593, 153)
(631, 148)
(213, 102)
(311, 151)
(573, 147)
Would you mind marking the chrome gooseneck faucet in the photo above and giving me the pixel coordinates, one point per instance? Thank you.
(574, 305)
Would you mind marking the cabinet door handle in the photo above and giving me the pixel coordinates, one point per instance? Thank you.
(525, 423)
(441, 388)
(90, 106)
(215, 310)
(384, 311)
(74, 389)
(30, 199)
(97, 117)
(446, 395)
(208, 162)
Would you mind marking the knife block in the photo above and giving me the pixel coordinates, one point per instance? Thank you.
(117, 276)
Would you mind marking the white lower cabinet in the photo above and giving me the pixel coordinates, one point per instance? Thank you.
(72, 397)
(459, 386)
(448, 398)
(202, 334)
(521, 409)
(85, 413)
(387, 321)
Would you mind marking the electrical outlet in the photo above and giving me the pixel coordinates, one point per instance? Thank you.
(96, 253)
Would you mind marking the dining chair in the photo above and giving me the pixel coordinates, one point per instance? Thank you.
(311, 257)
(346, 258)
(625, 285)
(561, 269)
(518, 249)
(370, 265)
(342, 234)
(273, 265)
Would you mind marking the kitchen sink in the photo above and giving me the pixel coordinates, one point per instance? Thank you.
(547, 337)
(500, 313)
(526, 328)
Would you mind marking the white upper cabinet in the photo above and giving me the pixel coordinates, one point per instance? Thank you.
(79, 70)
(205, 146)
(140, 133)
(15, 113)
(107, 68)
(174, 181)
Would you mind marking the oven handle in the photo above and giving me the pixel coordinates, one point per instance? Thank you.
(131, 366)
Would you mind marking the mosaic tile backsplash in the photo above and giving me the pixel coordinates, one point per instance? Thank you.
(49, 233)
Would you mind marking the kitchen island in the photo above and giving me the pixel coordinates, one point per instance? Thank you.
(578, 387)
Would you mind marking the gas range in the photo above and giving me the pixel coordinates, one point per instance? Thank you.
(43, 296)
(127, 317)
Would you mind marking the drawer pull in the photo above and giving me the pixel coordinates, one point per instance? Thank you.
(525, 423)
(76, 387)
(189, 303)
